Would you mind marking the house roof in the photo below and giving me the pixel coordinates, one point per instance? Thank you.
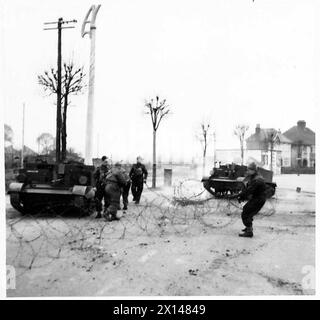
(26, 150)
(283, 138)
(300, 134)
(265, 136)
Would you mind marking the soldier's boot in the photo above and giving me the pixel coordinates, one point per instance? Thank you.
(125, 207)
(107, 216)
(113, 216)
(248, 233)
(245, 229)
(98, 216)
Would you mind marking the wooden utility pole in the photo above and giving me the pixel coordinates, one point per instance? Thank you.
(59, 120)
(22, 145)
(271, 152)
(214, 150)
(59, 27)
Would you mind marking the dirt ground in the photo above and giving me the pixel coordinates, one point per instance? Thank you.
(160, 248)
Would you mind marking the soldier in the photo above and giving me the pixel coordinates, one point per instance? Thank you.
(99, 177)
(138, 175)
(125, 190)
(255, 192)
(115, 180)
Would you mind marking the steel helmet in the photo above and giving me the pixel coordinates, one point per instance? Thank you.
(252, 166)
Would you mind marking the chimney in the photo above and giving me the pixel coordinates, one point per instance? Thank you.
(301, 124)
(258, 128)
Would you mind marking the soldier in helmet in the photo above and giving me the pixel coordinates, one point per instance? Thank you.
(138, 175)
(114, 182)
(99, 177)
(255, 193)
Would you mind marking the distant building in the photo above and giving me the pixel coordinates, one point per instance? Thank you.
(270, 148)
(12, 156)
(290, 152)
(302, 146)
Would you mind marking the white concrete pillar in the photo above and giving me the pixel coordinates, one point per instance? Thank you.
(90, 108)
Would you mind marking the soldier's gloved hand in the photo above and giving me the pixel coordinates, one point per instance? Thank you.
(144, 181)
(239, 199)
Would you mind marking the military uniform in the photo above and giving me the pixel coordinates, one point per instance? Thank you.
(138, 175)
(255, 193)
(125, 190)
(99, 177)
(115, 180)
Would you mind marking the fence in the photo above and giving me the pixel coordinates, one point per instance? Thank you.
(296, 170)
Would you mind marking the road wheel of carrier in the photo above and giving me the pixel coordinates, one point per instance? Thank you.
(85, 207)
(17, 204)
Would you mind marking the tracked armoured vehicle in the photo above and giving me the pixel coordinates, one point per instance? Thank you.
(231, 179)
(51, 187)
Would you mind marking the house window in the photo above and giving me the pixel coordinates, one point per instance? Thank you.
(304, 151)
(305, 163)
(264, 159)
(279, 162)
(299, 162)
(286, 162)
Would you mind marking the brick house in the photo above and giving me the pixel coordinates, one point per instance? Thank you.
(302, 146)
(269, 148)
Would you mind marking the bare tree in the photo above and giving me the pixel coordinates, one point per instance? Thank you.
(8, 133)
(8, 137)
(46, 141)
(240, 131)
(157, 109)
(203, 137)
(72, 83)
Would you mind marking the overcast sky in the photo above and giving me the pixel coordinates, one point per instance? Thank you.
(225, 61)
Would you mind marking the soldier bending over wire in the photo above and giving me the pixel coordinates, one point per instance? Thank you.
(255, 192)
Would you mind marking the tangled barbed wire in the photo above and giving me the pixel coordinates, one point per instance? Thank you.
(38, 239)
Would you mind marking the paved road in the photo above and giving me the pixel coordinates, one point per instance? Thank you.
(159, 249)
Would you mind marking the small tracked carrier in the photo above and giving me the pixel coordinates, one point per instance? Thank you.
(231, 179)
(53, 187)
